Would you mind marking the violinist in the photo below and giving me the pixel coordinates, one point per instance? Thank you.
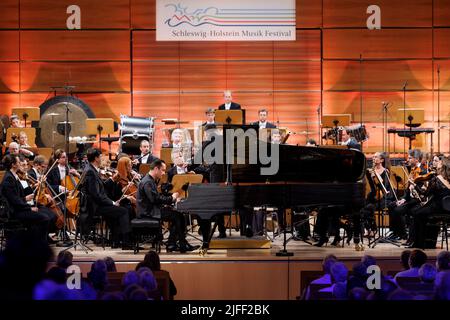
(438, 188)
(399, 215)
(40, 164)
(23, 145)
(123, 185)
(37, 219)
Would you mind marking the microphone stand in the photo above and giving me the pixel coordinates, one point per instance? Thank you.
(404, 118)
(360, 95)
(439, 108)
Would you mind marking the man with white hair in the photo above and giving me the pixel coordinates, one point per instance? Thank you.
(228, 103)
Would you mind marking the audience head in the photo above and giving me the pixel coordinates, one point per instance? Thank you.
(427, 273)
(131, 277)
(339, 272)
(404, 259)
(98, 275)
(110, 264)
(328, 262)
(368, 260)
(359, 270)
(443, 261)
(442, 286)
(152, 261)
(64, 259)
(358, 294)
(147, 279)
(57, 274)
(417, 258)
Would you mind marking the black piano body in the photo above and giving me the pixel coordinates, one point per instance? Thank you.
(307, 176)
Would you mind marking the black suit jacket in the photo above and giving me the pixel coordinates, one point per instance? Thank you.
(150, 159)
(353, 144)
(233, 106)
(54, 179)
(149, 200)
(269, 125)
(32, 174)
(94, 188)
(14, 193)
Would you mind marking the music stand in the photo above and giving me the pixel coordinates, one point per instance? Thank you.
(230, 117)
(30, 132)
(335, 121)
(166, 155)
(411, 118)
(27, 113)
(180, 184)
(99, 126)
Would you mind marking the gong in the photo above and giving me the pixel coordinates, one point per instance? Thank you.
(53, 121)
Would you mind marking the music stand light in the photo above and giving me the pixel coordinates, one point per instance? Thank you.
(224, 117)
(411, 117)
(27, 113)
(99, 126)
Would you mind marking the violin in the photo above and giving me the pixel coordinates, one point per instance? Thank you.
(44, 198)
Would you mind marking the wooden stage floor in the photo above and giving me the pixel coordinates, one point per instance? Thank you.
(245, 273)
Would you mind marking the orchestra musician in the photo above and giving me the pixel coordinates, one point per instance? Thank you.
(99, 203)
(210, 117)
(124, 186)
(37, 219)
(399, 215)
(263, 123)
(438, 187)
(349, 141)
(152, 204)
(38, 168)
(57, 175)
(228, 103)
(23, 145)
(145, 156)
(14, 121)
(377, 199)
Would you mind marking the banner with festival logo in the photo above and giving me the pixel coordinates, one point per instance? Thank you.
(230, 20)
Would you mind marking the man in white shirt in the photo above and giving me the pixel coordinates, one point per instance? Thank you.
(146, 156)
(228, 103)
(262, 123)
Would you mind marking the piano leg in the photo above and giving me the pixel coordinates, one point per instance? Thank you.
(283, 252)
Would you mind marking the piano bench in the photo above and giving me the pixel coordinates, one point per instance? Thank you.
(146, 230)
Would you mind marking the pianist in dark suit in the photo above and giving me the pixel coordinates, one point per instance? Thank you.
(36, 219)
(263, 123)
(145, 156)
(228, 103)
(152, 204)
(349, 141)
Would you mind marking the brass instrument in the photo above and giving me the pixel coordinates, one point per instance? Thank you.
(412, 184)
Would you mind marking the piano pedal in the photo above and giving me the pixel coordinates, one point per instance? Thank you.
(202, 251)
(359, 247)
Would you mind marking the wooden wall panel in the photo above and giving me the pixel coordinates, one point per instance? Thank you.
(34, 99)
(9, 77)
(442, 13)
(379, 44)
(349, 102)
(250, 76)
(143, 14)
(9, 49)
(298, 113)
(444, 74)
(309, 14)
(107, 105)
(145, 47)
(442, 43)
(86, 77)
(95, 14)
(8, 101)
(306, 47)
(194, 105)
(9, 14)
(302, 75)
(377, 75)
(75, 45)
(206, 51)
(202, 76)
(400, 13)
(248, 50)
(156, 76)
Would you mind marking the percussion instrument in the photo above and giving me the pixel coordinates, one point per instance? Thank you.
(133, 130)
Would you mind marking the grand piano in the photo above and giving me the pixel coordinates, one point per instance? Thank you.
(307, 176)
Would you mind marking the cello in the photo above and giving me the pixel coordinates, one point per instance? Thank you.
(72, 183)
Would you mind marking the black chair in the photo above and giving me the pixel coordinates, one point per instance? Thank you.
(442, 221)
(8, 225)
(146, 230)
